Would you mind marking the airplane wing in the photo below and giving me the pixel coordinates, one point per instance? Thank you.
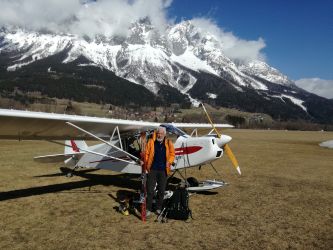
(200, 125)
(29, 125)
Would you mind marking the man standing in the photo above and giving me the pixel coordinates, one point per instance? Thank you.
(159, 156)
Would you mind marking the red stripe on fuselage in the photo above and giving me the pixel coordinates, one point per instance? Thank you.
(187, 150)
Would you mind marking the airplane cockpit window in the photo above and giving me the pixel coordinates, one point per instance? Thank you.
(131, 145)
(174, 130)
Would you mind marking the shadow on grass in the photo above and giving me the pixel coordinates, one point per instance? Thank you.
(207, 192)
(122, 180)
(64, 171)
(128, 181)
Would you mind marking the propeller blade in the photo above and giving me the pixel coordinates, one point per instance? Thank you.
(227, 149)
(232, 157)
(211, 122)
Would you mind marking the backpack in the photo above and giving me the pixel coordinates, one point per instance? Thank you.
(177, 206)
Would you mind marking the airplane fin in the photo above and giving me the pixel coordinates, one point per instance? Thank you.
(74, 146)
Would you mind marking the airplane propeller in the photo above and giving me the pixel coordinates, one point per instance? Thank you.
(224, 139)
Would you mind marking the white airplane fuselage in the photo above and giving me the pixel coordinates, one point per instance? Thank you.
(189, 152)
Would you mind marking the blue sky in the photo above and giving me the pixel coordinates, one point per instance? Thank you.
(298, 33)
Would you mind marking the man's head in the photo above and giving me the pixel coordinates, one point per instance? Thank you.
(160, 134)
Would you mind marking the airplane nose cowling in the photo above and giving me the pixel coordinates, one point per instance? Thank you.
(224, 139)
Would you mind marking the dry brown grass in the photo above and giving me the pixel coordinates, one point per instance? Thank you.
(282, 200)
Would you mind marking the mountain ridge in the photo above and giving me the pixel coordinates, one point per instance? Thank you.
(179, 63)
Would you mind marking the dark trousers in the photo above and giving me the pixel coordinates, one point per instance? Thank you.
(159, 177)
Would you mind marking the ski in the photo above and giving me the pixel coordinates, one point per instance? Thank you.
(143, 195)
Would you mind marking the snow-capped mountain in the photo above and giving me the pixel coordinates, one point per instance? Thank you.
(264, 71)
(185, 58)
(144, 52)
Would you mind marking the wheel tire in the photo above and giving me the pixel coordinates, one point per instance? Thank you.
(69, 174)
(193, 182)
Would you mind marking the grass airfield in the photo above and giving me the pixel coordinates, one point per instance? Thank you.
(284, 199)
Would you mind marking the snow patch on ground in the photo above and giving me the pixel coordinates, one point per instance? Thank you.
(17, 66)
(211, 95)
(327, 144)
(88, 64)
(194, 102)
(296, 101)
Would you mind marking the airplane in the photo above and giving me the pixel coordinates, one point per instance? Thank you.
(115, 152)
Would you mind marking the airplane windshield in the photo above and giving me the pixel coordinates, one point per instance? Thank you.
(173, 130)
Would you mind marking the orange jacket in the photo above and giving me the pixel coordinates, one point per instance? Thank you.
(150, 151)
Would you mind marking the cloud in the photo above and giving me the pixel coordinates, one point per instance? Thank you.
(107, 17)
(235, 48)
(38, 14)
(113, 17)
(317, 86)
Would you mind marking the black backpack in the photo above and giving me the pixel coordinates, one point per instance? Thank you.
(177, 206)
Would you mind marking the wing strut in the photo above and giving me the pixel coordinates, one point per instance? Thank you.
(194, 132)
(116, 129)
(100, 139)
(92, 152)
(104, 155)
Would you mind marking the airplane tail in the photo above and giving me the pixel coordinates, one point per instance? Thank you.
(74, 146)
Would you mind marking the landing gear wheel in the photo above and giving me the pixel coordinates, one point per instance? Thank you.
(192, 182)
(67, 171)
(69, 174)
